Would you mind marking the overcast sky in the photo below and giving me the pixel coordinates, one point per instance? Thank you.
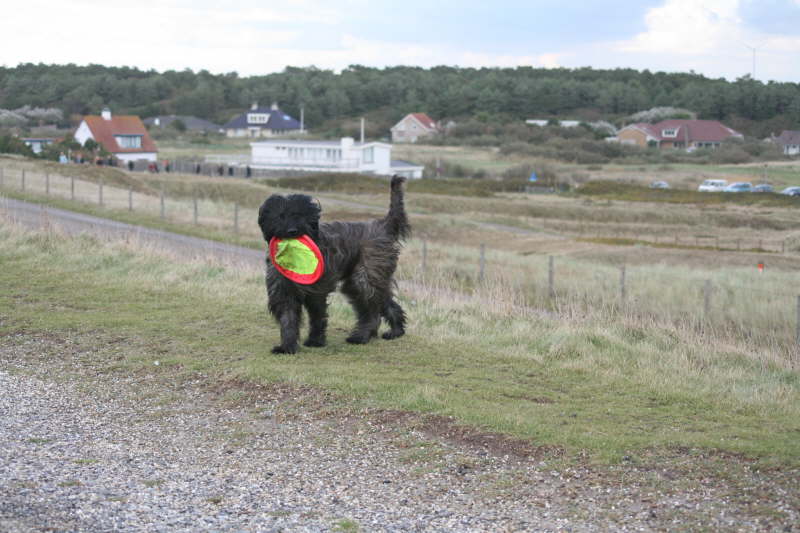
(711, 37)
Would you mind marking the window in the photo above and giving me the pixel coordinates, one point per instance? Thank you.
(128, 141)
(671, 132)
(369, 154)
(257, 118)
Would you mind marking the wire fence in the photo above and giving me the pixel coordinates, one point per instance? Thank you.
(756, 305)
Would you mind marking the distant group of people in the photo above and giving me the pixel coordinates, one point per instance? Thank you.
(79, 159)
(152, 166)
(222, 170)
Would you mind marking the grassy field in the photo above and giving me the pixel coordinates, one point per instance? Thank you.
(687, 266)
(575, 385)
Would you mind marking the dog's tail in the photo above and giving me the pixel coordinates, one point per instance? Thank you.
(396, 220)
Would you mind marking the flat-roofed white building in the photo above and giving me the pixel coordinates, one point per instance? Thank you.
(345, 155)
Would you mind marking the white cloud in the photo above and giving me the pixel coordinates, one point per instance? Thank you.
(152, 33)
(686, 27)
(551, 60)
(711, 39)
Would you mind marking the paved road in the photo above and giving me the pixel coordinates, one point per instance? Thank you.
(37, 216)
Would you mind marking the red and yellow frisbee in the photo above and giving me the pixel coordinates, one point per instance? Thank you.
(297, 259)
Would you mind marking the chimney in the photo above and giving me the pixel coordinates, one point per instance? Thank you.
(106, 113)
(253, 106)
(274, 106)
(302, 125)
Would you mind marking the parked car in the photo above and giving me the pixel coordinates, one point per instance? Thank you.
(659, 185)
(791, 191)
(713, 186)
(763, 187)
(739, 186)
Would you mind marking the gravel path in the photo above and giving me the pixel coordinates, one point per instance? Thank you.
(131, 454)
(86, 448)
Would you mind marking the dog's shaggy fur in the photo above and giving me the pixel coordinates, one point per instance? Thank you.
(360, 258)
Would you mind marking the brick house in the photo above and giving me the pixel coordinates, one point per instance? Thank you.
(412, 127)
(124, 136)
(677, 133)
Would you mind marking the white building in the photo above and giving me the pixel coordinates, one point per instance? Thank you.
(344, 155)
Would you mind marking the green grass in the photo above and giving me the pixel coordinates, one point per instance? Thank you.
(609, 388)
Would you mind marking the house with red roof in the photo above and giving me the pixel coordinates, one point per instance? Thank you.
(124, 136)
(412, 127)
(682, 134)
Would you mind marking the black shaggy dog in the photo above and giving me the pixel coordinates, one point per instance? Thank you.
(359, 257)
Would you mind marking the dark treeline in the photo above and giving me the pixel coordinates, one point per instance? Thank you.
(442, 92)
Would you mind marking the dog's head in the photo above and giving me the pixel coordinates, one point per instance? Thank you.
(288, 217)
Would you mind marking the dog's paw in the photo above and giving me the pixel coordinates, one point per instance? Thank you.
(358, 339)
(281, 349)
(389, 335)
(314, 343)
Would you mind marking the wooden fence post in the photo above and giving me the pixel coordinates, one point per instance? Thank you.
(194, 200)
(707, 299)
(424, 255)
(100, 194)
(163, 210)
(236, 218)
(23, 180)
(72, 188)
(130, 198)
(47, 183)
(482, 271)
(622, 283)
(551, 289)
(2, 178)
(797, 333)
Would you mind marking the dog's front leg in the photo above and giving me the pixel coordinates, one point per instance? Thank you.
(285, 306)
(317, 307)
(289, 320)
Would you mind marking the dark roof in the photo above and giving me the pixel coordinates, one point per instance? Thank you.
(104, 131)
(789, 137)
(278, 120)
(192, 123)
